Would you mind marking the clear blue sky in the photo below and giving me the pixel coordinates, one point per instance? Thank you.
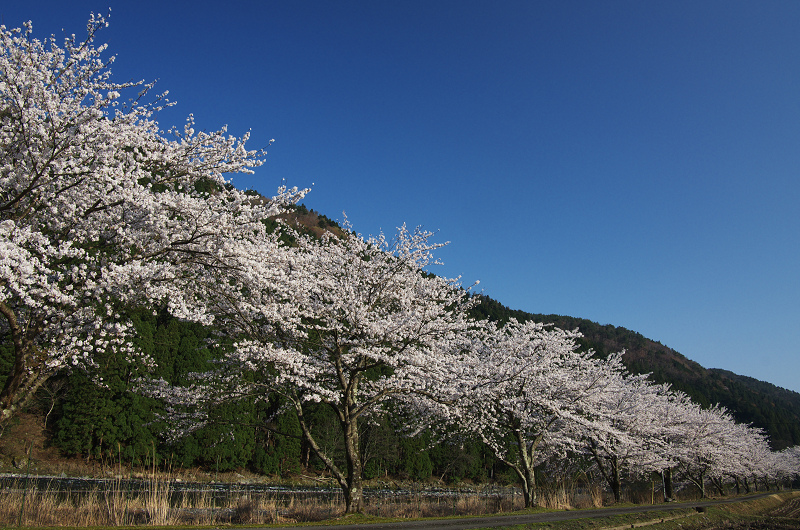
(633, 163)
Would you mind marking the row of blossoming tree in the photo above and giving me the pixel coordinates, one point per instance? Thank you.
(100, 211)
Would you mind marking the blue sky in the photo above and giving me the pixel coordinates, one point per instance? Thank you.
(633, 163)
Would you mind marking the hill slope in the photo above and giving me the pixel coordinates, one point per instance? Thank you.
(87, 421)
(774, 409)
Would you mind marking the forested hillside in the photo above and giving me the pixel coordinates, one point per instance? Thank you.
(89, 420)
(774, 409)
(86, 419)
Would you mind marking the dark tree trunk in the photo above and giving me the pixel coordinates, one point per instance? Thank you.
(609, 468)
(615, 482)
(668, 492)
(29, 369)
(717, 482)
(350, 480)
(528, 479)
(700, 482)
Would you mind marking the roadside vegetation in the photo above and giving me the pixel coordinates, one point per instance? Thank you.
(115, 504)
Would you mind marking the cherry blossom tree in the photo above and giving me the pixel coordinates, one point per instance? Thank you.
(668, 413)
(657, 429)
(643, 427)
(531, 391)
(708, 444)
(100, 210)
(787, 464)
(366, 323)
(671, 433)
(631, 441)
(748, 454)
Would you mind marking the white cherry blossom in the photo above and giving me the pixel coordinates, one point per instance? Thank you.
(98, 209)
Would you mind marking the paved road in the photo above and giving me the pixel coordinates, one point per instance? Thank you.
(510, 520)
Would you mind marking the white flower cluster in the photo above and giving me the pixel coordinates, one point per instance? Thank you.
(98, 208)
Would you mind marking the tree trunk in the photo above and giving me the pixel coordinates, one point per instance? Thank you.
(525, 469)
(615, 482)
(668, 493)
(350, 482)
(347, 411)
(610, 475)
(717, 482)
(354, 493)
(528, 485)
(701, 483)
(29, 369)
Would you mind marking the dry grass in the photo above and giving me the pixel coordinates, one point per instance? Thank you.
(557, 496)
(32, 507)
(156, 505)
(153, 506)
